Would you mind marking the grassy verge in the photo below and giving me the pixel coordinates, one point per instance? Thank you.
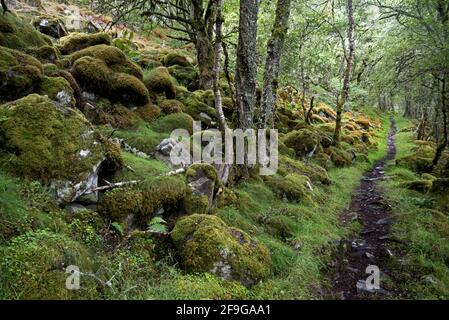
(422, 268)
(298, 235)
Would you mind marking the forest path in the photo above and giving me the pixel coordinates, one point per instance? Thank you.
(371, 248)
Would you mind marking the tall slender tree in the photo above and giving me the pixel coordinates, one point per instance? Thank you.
(246, 69)
(272, 63)
(349, 57)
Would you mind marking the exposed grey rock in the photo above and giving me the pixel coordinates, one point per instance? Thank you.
(74, 208)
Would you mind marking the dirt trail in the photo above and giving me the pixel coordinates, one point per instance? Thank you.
(371, 209)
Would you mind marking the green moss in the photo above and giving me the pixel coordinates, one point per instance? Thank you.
(184, 75)
(163, 191)
(172, 122)
(16, 33)
(172, 106)
(200, 203)
(158, 81)
(50, 68)
(207, 287)
(303, 141)
(20, 74)
(33, 267)
(117, 204)
(207, 244)
(94, 75)
(196, 170)
(313, 171)
(415, 163)
(113, 57)
(174, 58)
(78, 41)
(40, 141)
(339, 157)
(199, 102)
(294, 187)
(116, 115)
(46, 54)
(51, 86)
(418, 185)
(87, 227)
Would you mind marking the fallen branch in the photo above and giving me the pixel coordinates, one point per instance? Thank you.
(115, 185)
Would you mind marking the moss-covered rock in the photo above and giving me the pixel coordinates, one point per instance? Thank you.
(339, 156)
(118, 204)
(57, 89)
(304, 142)
(46, 54)
(313, 171)
(172, 122)
(163, 192)
(199, 104)
(201, 179)
(293, 187)
(149, 112)
(159, 81)
(53, 144)
(16, 33)
(206, 244)
(78, 41)
(171, 106)
(33, 266)
(415, 163)
(184, 75)
(94, 75)
(20, 74)
(50, 25)
(113, 57)
(174, 58)
(418, 185)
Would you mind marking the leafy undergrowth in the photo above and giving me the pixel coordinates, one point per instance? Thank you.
(421, 229)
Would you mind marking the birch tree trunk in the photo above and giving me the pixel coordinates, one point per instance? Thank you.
(272, 64)
(350, 57)
(217, 66)
(444, 111)
(245, 75)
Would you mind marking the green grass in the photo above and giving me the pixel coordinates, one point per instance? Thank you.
(298, 261)
(422, 269)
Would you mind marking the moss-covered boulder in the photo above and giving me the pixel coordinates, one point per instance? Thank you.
(339, 156)
(57, 89)
(200, 105)
(206, 244)
(149, 112)
(422, 185)
(172, 122)
(16, 33)
(184, 75)
(304, 142)
(78, 41)
(20, 74)
(33, 266)
(170, 106)
(46, 54)
(50, 25)
(293, 187)
(42, 141)
(201, 179)
(174, 58)
(315, 172)
(158, 81)
(415, 163)
(113, 57)
(94, 75)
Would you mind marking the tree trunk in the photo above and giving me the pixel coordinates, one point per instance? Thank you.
(444, 111)
(4, 7)
(205, 57)
(217, 66)
(408, 107)
(348, 72)
(245, 75)
(204, 20)
(272, 64)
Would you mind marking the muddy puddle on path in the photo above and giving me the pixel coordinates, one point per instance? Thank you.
(371, 247)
